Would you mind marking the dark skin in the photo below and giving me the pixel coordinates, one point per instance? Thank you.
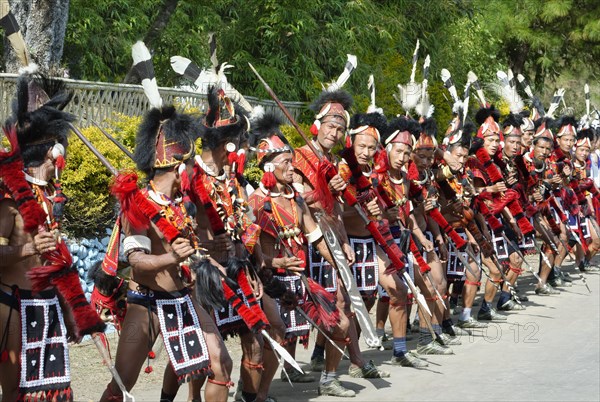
(221, 247)
(22, 253)
(365, 146)
(284, 171)
(159, 271)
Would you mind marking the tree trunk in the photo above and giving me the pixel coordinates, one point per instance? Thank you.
(43, 25)
(154, 32)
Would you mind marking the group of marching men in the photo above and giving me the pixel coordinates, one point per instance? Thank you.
(393, 217)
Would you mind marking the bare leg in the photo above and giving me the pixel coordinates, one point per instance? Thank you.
(133, 347)
(10, 369)
(220, 361)
(270, 362)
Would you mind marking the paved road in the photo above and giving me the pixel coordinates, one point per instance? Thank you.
(550, 351)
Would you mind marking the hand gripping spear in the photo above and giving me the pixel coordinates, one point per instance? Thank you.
(282, 351)
(391, 249)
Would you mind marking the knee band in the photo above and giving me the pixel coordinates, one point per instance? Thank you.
(227, 384)
(252, 366)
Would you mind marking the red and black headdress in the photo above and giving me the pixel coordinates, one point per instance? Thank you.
(225, 122)
(164, 139)
(39, 118)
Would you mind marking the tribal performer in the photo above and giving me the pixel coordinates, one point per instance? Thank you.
(373, 266)
(587, 193)
(515, 177)
(226, 230)
(456, 196)
(329, 128)
(544, 222)
(493, 200)
(287, 227)
(160, 241)
(398, 141)
(431, 240)
(42, 304)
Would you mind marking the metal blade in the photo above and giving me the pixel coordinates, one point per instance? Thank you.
(418, 295)
(285, 355)
(99, 340)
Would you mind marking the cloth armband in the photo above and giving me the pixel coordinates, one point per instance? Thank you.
(314, 235)
(299, 187)
(136, 243)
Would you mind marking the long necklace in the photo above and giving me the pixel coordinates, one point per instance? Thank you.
(287, 232)
(175, 213)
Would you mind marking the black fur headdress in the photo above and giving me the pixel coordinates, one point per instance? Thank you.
(374, 120)
(399, 125)
(267, 127)
(221, 123)
(39, 116)
(340, 96)
(164, 139)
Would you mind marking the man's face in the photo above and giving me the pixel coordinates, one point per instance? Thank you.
(582, 153)
(527, 139)
(284, 170)
(365, 147)
(331, 132)
(423, 158)
(512, 146)
(542, 149)
(460, 154)
(399, 155)
(491, 143)
(566, 142)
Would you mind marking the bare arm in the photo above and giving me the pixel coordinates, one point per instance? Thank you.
(138, 259)
(10, 255)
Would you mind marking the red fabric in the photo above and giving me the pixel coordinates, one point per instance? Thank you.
(492, 170)
(216, 223)
(253, 316)
(321, 307)
(423, 266)
(458, 241)
(125, 189)
(110, 263)
(100, 302)
(11, 173)
(522, 221)
(56, 262)
(85, 316)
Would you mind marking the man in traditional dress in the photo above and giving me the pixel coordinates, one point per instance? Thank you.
(42, 304)
(225, 228)
(160, 240)
(287, 227)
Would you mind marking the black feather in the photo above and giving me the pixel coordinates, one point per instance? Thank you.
(485, 112)
(376, 120)
(340, 96)
(106, 284)
(514, 120)
(209, 285)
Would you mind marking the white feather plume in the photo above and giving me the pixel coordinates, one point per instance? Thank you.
(526, 88)
(508, 93)
(29, 69)
(473, 79)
